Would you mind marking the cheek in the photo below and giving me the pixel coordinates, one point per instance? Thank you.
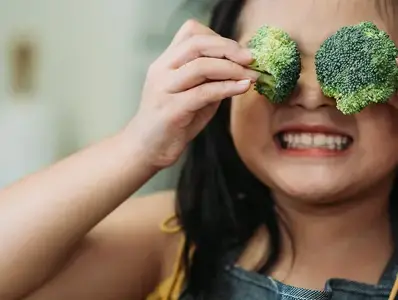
(252, 133)
(378, 136)
(251, 125)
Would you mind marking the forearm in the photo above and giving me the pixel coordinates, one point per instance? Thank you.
(44, 215)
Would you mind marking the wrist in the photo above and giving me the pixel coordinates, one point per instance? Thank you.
(133, 147)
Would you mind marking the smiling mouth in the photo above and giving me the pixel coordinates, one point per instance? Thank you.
(305, 141)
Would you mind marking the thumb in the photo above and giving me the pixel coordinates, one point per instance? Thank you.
(202, 118)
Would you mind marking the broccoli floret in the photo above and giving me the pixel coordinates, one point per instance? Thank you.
(357, 67)
(277, 58)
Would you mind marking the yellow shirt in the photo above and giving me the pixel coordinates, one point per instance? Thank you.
(171, 288)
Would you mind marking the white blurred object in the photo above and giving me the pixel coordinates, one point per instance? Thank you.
(28, 140)
(93, 57)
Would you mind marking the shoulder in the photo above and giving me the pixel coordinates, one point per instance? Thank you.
(153, 208)
(141, 219)
(156, 215)
(148, 222)
(131, 238)
(144, 211)
(125, 254)
(135, 239)
(160, 209)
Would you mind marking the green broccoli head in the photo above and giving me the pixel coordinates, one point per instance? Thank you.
(357, 67)
(277, 58)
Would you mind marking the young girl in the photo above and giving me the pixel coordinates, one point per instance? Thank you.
(249, 219)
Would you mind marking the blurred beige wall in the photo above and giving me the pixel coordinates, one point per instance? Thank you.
(91, 63)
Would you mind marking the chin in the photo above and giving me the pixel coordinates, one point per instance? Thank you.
(310, 184)
(313, 193)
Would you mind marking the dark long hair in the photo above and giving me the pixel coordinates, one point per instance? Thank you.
(219, 202)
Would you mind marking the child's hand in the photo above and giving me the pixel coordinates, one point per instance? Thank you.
(184, 88)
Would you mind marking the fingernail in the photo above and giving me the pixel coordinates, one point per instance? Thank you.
(244, 82)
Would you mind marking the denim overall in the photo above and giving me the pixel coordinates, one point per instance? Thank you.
(236, 283)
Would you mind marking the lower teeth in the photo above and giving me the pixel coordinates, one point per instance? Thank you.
(338, 147)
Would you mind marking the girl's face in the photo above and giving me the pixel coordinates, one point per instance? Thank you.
(314, 174)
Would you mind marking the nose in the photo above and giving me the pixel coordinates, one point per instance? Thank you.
(308, 93)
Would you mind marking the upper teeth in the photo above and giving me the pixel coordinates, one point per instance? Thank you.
(315, 140)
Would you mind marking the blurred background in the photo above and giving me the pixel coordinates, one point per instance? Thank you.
(71, 73)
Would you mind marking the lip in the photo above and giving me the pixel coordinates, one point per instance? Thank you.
(312, 152)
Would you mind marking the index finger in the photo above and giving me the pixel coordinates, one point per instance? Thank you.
(207, 46)
(189, 29)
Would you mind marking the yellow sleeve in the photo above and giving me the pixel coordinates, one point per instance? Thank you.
(394, 291)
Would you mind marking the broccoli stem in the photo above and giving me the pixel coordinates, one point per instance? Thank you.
(266, 83)
(267, 79)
